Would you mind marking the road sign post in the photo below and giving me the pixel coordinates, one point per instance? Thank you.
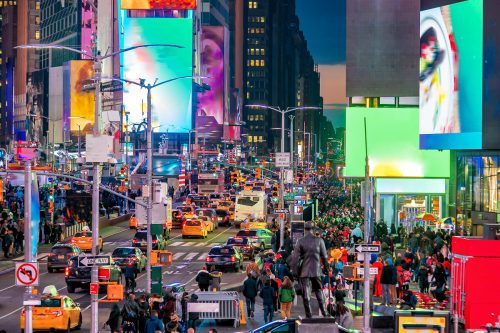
(368, 248)
(282, 160)
(94, 288)
(27, 274)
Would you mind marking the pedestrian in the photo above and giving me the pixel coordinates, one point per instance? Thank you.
(212, 330)
(250, 291)
(203, 278)
(8, 244)
(130, 274)
(408, 301)
(377, 285)
(215, 280)
(344, 316)
(184, 302)
(286, 296)
(130, 314)
(114, 319)
(423, 279)
(154, 325)
(193, 316)
(386, 281)
(268, 296)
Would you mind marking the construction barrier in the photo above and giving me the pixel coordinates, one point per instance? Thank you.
(73, 229)
(221, 305)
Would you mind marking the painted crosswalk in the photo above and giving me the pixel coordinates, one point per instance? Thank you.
(193, 244)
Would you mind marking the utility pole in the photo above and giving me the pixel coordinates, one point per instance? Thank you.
(367, 232)
(28, 251)
(95, 201)
(292, 134)
(282, 192)
(149, 182)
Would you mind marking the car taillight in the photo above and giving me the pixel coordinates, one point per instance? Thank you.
(51, 254)
(209, 259)
(233, 258)
(132, 259)
(66, 271)
(134, 240)
(57, 313)
(155, 241)
(248, 247)
(213, 218)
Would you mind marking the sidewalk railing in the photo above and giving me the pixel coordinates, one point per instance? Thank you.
(221, 305)
(73, 229)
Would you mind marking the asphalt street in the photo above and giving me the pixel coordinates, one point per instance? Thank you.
(188, 258)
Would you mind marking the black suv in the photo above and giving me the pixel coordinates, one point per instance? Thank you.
(60, 254)
(79, 276)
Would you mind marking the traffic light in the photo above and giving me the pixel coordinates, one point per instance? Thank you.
(51, 207)
(214, 169)
(257, 173)
(234, 177)
(122, 170)
(51, 194)
(327, 165)
(275, 190)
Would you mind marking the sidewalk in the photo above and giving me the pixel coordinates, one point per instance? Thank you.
(8, 265)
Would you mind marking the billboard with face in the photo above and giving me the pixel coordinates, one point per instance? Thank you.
(78, 102)
(158, 4)
(171, 102)
(210, 110)
(451, 70)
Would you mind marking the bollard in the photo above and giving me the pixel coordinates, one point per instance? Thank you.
(242, 311)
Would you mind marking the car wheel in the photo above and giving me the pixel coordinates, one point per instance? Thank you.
(71, 288)
(69, 327)
(50, 269)
(79, 322)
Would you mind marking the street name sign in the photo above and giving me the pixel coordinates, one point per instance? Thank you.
(94, 260)
(368, 248)
(282, 160)
(281, 211)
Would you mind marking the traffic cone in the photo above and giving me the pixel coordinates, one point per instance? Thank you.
(242, 316)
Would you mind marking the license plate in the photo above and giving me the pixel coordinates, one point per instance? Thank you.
(60, 256)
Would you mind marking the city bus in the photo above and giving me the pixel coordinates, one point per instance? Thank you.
(250, 204)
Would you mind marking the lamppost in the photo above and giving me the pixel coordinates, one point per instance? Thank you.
(79, 131)
(283, 112)
(149, 157)
(53, 131)
(98, 59)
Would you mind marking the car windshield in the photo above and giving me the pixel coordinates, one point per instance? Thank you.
(61, 250)
(215, 196)
(83, 234)
(237, 241)
(203, 212)
(246, 233)
(247, 201)
(204, 218)
(185, 209)
(50, 303)
(218, 251)
(225, 204)
(221, 212)
(123, 252)
(193, 223)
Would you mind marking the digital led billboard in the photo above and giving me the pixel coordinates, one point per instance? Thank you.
(88, 37)
(158, 4)
(210, 107)
(451, 76)
(78, 103)
(171, 102)
(393, 149)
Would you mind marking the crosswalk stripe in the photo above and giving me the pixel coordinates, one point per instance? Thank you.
(176, 243)
(202, 257)
(188, 244)
(191, 255)
(200, 244)
(178, 255)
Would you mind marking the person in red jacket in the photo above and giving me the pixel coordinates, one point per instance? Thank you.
(376, 262)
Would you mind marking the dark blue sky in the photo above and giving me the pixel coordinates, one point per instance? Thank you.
(323, 23)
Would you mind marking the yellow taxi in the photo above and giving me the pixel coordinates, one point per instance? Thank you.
(209, 225)
(187, 211)
(83, 240)
(57, 312)
(133, 222)
(252, 224)
(194, 228)
(226, 204)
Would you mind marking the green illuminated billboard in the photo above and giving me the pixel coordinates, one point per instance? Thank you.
(393, 145)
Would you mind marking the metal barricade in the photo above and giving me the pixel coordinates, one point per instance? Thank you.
(73, 229)
(221, 305)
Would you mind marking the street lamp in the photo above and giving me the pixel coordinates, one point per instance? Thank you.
(149, 157)
(78, 117)
(98, 59)
(283, 113)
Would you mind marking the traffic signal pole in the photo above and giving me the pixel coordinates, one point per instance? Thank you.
(282, 199)
(28, 253)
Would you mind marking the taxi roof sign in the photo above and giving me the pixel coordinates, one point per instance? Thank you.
(50, 290)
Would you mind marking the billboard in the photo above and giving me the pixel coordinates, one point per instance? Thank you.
(393, 151)
(232, 132)
(381, 47)
(210, 108)
(158, 4)
(171, 102)
(166, 166)
(89, 30)
(451, 76)
(78, 103)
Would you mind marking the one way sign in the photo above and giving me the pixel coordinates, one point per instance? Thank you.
(94, 260)
(368, 248)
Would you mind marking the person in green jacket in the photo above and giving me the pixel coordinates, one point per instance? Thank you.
(286, 295)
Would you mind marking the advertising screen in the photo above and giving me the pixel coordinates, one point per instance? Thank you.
(210, 109)
(88, 27)
(158, 4)
(393, 151)
(166, 166)
(171, 102)
(451, 70)
(78, 102)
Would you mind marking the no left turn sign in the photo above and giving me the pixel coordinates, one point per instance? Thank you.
(26, 274)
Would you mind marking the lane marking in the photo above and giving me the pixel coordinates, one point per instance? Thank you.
(11, 313)
(202, 257)
(178, 255)
(191, 255)
(200, 244)
(177, 244)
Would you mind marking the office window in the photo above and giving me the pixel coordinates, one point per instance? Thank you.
(37, 5)
(250, 138)
(262, 63)
(37, 19)
(261, 138)
(37, 34)
(263, 51)
(252, 51)
(252, 63)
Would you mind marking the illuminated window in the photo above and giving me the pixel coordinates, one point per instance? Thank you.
(250, 138)
(250, 117)
(261, 138)
(257, 52)
(252, 4)
(262, 63)
(263, 51)
(37, 34)
(262, 19)
(248, 95)
(37, 19)
(252, 51)
(252, 63)
(37, 5)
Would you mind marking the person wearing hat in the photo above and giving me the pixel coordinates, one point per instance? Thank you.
(311, 252)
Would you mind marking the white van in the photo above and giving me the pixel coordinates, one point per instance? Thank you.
(250, 204)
